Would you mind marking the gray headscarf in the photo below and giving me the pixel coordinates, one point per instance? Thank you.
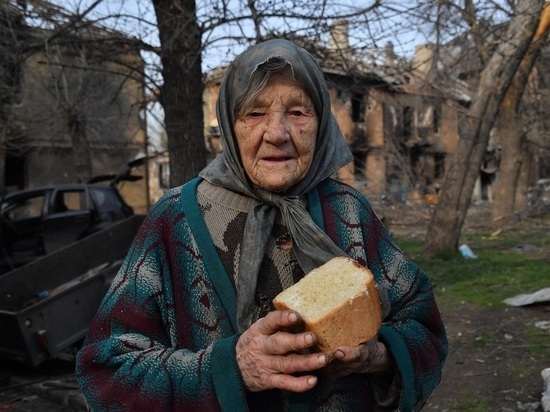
(311, 245)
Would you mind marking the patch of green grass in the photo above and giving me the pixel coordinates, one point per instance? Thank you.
(538, 338)
(520, 374)
(480, 341)
(499, 271)
(470, 404)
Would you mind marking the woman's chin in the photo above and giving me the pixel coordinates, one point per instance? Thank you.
(275, 185)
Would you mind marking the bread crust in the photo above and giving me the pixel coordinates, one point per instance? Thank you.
(350, 322)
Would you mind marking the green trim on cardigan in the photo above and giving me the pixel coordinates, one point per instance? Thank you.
(403, 361)
(227, 377)
(315, 210)
(214, 266)
(225, 348)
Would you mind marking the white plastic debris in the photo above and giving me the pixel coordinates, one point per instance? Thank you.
(543, 324)
(467, 252)
(523, 299)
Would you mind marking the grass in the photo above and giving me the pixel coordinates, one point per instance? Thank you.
(471, 405)
(539, 340)
(500, 270)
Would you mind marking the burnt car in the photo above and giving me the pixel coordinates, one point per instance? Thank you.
(39, 221)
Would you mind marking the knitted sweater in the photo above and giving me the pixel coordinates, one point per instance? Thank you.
(164, 337)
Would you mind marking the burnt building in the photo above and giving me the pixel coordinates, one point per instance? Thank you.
(77, 111)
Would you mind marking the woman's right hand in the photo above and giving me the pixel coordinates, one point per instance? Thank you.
(269, 355)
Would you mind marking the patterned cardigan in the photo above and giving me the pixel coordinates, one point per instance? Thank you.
(164, 336)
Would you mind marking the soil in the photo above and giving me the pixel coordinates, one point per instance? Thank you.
(50, 387)
(491, 367)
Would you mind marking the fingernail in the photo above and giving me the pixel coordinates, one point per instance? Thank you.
(293, 317)
(309, 338)
(312, 381)
(322, 359)
(339, 354)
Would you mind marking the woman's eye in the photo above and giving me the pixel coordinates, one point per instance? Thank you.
(255, 114)
(296, 113)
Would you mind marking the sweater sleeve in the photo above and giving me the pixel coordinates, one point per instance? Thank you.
(148, 348)
(413, 330)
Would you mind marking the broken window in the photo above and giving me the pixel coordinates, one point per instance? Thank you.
(357, 108)
(359, 163)
(164, 175)
(407, 121)
(436, 121)
(439, 165)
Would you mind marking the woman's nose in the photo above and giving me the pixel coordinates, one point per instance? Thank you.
(276, 130)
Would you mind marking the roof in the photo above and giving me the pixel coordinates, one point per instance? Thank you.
(333, 62)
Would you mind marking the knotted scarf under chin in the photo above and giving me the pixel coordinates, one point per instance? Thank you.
(311, 246)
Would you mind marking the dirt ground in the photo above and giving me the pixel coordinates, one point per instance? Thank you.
(491, 367)
(501, 373)
(51, 387)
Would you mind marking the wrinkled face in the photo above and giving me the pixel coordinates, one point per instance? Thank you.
(276, 134)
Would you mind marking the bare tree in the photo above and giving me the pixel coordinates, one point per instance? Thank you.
(76, 76)
(475, 127)
(511, 192)
(221, 26)
(181, 91)
(12, 32)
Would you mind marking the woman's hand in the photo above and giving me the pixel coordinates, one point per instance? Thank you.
(370, 358)
(268, 354)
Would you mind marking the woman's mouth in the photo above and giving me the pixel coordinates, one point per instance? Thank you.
(277, 159)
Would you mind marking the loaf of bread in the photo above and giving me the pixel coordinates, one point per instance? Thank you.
(338, 301)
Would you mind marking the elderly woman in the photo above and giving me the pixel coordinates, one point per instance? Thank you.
(188, 322)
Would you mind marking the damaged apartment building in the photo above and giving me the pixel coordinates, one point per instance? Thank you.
(77, 111)
(401, 133)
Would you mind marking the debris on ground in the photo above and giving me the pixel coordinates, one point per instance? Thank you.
(524, 299)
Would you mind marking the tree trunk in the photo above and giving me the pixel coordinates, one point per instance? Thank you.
(181, 93)
(511, 139)
(11, 29)
(522, 189)
(474, 128)
(81, 148)
(508, 195)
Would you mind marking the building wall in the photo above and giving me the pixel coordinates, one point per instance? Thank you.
(375, 170)
(106, 98)
(383, 151)
(449, 129)
(341, 109)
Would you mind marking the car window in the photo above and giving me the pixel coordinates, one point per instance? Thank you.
(108, 203)
(70, 200)
(27, 207)
(98, 197)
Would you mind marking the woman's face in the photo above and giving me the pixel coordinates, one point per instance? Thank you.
(276, 134)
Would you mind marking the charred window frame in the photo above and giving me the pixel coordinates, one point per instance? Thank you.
(357, 107)
(164, 175)
(436, 120)
(407, 121)
(439, 166)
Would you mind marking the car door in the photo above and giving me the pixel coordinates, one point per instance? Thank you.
(21, 224)
(68, 217)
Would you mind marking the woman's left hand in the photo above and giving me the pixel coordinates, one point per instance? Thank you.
(370, 358)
